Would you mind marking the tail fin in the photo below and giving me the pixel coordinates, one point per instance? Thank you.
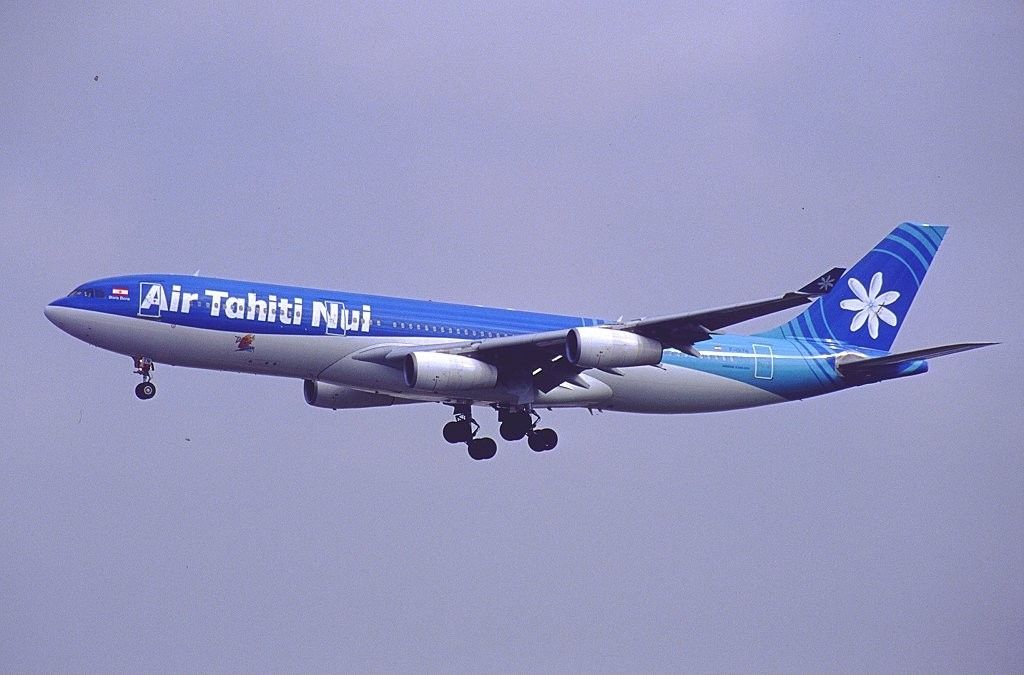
(871, 301)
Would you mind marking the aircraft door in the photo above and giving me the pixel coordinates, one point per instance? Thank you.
(764, 362)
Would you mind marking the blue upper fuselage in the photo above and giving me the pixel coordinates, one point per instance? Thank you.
(226, 304)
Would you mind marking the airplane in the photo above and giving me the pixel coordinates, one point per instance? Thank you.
(354, 350)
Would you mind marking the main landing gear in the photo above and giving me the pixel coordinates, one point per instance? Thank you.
(464, 429)
(516, 424)
(145, 389)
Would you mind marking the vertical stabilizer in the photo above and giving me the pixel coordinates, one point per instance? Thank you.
(871, 301)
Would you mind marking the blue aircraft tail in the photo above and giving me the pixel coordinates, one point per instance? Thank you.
(871, 301)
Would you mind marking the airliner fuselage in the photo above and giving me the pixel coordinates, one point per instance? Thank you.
(356, 350)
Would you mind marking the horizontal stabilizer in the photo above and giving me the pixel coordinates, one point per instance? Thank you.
(867, 366)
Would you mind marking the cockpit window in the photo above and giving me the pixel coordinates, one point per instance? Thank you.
(84, 292)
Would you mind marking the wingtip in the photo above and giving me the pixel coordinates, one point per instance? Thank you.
(823, 284)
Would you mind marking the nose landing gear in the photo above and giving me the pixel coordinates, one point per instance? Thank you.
(145, 390)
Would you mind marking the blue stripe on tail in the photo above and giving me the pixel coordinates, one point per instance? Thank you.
(871, 301)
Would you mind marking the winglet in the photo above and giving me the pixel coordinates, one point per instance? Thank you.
(823, 284)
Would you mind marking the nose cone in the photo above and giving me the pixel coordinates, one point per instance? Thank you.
(58, 313)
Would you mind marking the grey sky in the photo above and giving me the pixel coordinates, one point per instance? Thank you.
(604, 160)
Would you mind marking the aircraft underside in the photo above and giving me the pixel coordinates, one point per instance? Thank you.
(335, 378)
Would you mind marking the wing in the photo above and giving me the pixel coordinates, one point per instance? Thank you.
(682, 331)
(542, 354)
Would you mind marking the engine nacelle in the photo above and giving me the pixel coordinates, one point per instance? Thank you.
(432, 371)
(326, 395)
(591, 347)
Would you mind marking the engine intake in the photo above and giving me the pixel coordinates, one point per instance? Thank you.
(591, 347)
(326, 395)
(432, 371)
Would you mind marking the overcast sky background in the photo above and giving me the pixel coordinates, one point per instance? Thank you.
(604, 160)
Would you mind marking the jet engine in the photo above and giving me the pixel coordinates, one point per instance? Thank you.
(432, 371)
(326, 395)
(591, 347)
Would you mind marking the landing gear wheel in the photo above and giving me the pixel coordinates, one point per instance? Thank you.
(145, 390)
(515, 427)
(541, 440)
(482, 448)
(459, 431)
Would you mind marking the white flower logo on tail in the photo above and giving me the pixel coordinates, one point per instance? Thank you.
(870, 305)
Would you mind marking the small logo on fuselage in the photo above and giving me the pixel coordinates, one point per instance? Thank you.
(245, 343)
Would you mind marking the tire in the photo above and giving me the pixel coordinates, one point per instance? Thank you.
(514, 428)
(458, 431)
(145, 390)
(542, 440)
(482, 448)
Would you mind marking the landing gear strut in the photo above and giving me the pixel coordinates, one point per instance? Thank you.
(145, 389)
(464, 429)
